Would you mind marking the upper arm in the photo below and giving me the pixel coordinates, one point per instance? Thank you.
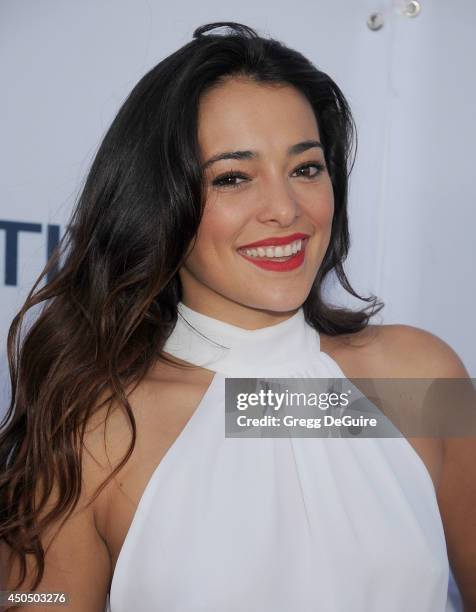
(77, 560)
(430, 357)
(457, 502)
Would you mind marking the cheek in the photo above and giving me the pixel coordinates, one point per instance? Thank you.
(329, 210)
(223, 222)
(329, 197)
(321, 209)
(217, 233)
(326, 218)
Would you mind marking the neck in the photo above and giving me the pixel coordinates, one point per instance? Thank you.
(233, 313)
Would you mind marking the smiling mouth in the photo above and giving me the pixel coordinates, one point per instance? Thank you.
(273, 260)
(279, 253)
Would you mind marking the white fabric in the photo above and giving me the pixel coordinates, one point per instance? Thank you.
(279, 524)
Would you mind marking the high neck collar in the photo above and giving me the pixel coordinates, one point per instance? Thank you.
(283, 349)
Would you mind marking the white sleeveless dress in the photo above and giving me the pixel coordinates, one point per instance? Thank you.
(278, 524)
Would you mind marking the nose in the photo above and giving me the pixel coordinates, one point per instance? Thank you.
(279, 204)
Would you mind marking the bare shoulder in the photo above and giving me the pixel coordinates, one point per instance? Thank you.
(394, 351)
(165, 394)
(158, 406)
(84, 550)
(411, 352)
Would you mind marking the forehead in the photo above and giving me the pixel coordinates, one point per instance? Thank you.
(246, 112)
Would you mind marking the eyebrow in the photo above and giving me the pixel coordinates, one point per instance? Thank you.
(295, 149)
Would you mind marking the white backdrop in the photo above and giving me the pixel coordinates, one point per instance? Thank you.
(65, 67)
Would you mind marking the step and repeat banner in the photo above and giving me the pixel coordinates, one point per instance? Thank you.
(405, 68)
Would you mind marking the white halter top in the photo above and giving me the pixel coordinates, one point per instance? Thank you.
(278, 524)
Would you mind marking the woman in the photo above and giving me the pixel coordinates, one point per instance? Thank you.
(115, 464)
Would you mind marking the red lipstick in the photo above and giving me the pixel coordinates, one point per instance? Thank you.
(276, 241)
(293, 262)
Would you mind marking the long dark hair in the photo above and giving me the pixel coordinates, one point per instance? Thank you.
(112, 302)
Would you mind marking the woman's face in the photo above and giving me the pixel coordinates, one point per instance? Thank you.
(277, 188)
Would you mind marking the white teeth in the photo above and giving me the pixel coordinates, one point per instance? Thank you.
(277, 251)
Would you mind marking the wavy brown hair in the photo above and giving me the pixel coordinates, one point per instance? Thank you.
(105, 314)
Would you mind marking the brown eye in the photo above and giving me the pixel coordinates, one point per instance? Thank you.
(227, 180)
(320, 168)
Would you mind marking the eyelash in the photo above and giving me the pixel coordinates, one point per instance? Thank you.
(219, 181)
